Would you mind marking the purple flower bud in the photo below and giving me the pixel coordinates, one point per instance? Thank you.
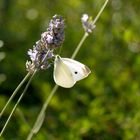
(87, 23)
(51, 39)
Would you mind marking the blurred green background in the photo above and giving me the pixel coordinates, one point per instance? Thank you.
(105, 105)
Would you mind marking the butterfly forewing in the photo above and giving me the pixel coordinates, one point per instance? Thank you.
(78, 70)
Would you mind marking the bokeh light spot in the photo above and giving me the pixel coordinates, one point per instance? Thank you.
(32, 14)
(2, 78)
(134, 47)
(2, 55)
(1, 43)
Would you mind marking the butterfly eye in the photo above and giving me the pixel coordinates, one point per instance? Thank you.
(75, 72)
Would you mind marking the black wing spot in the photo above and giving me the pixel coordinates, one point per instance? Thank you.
(75, 72)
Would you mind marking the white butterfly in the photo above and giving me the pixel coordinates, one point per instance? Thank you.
(68, 71)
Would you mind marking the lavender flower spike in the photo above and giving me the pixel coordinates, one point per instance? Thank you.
(50, 40)
(87, 23)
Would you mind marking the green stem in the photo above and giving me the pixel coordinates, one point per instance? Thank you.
(79, 45)
(14, 93)
(100, 12)
(17, 103)
(42, 112)
(21, 96)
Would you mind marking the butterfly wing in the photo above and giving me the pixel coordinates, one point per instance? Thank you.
(78, 70)
(62, 74)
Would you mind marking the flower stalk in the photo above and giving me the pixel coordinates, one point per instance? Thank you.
(21, 96)
(14, 93)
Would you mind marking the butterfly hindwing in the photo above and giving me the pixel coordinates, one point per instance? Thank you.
(62, 74)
